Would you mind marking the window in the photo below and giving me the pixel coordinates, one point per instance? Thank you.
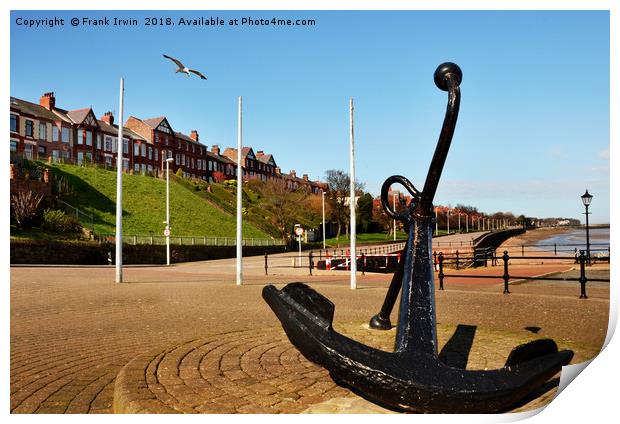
(108, 144)
(42, 131)
(65, 134)
(136, 167)
(125, 146)
(156, 138)
(136, 149)
(29, 128)
(89, 138)
(41, 152)
(55, 133)
(150, 168)
(99, 141)
(89, 157)
(108, 159)
(114, 145)
(177, 159)
(156, 153)
(13, 146)
(125, 164)
(143, 150)
(28, 151)
(55, 156)
(80, 136)
(80, 158)
(13, 122)
(150, 153)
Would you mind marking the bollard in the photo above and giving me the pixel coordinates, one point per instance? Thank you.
(555, 249)
(266, 263)
(506, 276)
(582, 275)
(310, 264)
(522, 250)
(457, 260)
(363, 264)
(440, 271)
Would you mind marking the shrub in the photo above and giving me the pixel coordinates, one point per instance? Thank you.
(59, 222)
(25, 208)
(179, 172)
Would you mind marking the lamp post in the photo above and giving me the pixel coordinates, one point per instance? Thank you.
(448, 221)
(586, 199)
(323, 208)
(436, 224)
(167, 231)
(394, 207)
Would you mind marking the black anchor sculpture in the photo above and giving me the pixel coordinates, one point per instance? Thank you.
(412, 378)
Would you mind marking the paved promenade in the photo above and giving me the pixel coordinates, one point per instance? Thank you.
(187, 339)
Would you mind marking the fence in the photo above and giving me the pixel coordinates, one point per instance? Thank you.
(567, 248)
(136, 239)
(84, 218)
(582, 259)
(369, 258)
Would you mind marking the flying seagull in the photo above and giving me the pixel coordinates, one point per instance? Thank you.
(183, 68)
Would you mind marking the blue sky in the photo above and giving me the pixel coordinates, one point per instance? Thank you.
(532, 135)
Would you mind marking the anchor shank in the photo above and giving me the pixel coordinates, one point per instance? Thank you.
(443, 145)
(416, 329)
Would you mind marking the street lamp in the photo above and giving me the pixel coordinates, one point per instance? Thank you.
(167, 231)
(586, 199)
(323, 207)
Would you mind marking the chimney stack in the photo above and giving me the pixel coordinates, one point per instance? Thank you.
(278, 170)
(194, 135)
(108, 118)
(215, 149)
(305, 177)
(293, 173)
(48, 101)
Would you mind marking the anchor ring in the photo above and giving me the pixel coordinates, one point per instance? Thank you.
(385, 201)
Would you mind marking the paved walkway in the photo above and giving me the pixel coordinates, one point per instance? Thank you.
(73, 330)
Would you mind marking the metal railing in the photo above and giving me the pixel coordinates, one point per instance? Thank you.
(136, 239)
(582, 259)
(84, 218)
(378, 258)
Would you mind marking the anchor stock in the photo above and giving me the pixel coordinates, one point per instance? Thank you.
(412, 377)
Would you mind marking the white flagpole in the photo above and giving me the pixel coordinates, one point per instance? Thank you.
(119, 190)
(239, 197)
(352, 232)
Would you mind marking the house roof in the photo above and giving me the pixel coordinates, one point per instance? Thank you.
(78, 116)
(266, 158)
(113, 129)
(153, 122)
(35, 110)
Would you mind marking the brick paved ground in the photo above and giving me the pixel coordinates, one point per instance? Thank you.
(73, 330)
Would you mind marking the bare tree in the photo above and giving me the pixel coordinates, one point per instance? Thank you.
(338, 183)
(282, 205)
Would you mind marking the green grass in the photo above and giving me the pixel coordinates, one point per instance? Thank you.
(93, 190)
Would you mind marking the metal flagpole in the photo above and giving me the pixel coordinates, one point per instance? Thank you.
(239, 197)
(394, 207)
(353, 256)
(119, 190)
(323, 208)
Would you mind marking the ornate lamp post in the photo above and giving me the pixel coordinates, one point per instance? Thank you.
(586, 199)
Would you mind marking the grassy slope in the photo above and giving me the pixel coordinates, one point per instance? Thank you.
(94, 191)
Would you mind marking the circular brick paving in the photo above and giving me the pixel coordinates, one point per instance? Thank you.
(261, 372)
(245, 372)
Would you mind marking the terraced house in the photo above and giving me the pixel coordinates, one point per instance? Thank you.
(47, 132)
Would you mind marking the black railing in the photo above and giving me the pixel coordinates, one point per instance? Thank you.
(582, 259)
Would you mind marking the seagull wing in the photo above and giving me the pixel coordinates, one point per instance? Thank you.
(178, 63)
(197, 73)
